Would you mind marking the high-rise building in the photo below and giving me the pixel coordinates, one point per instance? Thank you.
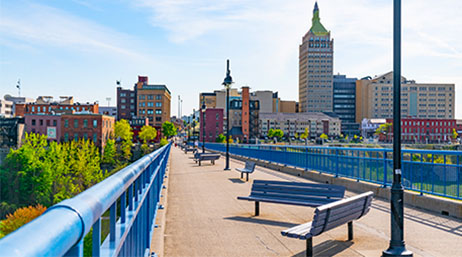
(316, 68)
(374, 99)
(153, 102)
(345, 103)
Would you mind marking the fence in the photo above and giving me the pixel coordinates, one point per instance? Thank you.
(425, 171)
(134, 190)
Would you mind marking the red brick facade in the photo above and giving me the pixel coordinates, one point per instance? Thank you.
(425, 130)
(95, 127)
(213, 124)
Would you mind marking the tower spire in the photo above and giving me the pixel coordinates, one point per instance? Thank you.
(316, 27)
(316, 8)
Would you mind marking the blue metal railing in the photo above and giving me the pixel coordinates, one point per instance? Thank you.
(426, 171)
(136, 189)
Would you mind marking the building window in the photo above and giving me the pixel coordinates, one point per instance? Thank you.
(85, 123)
(150, 111)
(33, 122)
(150, 104)
(76, 123)
(95, 123)
(95, 138)
(158, 104)
(41, 122)
(76, 137)
(143, 104)
(66, 137)
(55, 123)
(85, 136)
(158, 97)
(150, 97)
(158, 118)
(123, 100)
(122, 94)
(142, 97)
(123, 107)
(66, 123)
(158, 111)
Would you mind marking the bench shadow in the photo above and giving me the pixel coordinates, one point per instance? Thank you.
(327, 248)
(261, 221)
(236, 180)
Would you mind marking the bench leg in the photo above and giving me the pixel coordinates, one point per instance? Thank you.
(213, 162)
(309, 247)
(242, 174)
(257, 208)
(199, 162)
(247, 178)
(350, 230)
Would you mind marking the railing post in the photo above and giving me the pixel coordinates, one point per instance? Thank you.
(458, 171)
(337, 163)
(444, 174)
(130, 197)
(76, 250)
(421, 175)
(123, 207)
(385, 175)
(96, 238)
(433, 173)
(112, 221)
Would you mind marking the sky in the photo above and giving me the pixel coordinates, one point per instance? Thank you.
(81, 48)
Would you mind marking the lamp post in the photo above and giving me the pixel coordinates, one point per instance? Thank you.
(227, 83)
(203, 125)
(194, 126)
(397, 246)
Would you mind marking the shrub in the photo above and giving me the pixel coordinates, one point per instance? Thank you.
(163, 142)
(20, 217)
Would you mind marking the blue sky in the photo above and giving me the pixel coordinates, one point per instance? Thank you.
(81, 47)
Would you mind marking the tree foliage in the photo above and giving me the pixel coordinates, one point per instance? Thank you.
(163, 142)
(147, 133)
(124, 135)
(20, 217)
(109, 153)
(384, 129)
(168, 129)
(42, 173)
(323, 136)
(220, 139)
(454, 134)
(305, 134)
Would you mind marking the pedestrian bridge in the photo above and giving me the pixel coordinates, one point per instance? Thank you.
(165, 204)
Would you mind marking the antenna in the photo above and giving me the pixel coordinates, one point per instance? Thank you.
(18, 86)
(179, 102)
(108, 99)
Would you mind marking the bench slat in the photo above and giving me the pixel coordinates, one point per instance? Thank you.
(301, 198)
(297, 230)
(300, 191)
(274, 182)
(304, 203)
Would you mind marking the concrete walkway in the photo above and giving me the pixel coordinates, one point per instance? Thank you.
(204, 218)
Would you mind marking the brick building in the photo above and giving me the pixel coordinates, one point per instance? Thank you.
(153, 102)
(95, 127)
(45, 124)
(136, 124)
(213, 124)
(46, 105)
(425, 130)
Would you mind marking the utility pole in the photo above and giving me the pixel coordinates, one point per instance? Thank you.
(18, 86)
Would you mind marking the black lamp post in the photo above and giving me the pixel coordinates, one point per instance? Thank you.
(203, 124)
(397, 246)
(227, 83)
(189, 130)
(194, 126)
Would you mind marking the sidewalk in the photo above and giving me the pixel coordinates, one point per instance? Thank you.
(204, 218)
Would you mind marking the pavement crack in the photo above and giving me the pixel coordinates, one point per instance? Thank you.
(266, 246)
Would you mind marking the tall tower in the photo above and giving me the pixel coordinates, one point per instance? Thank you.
(315, 89)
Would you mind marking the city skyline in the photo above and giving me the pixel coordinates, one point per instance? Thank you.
(81, 48)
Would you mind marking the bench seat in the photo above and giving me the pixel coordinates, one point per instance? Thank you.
(330, 216)
(293, 193)
(249, 168)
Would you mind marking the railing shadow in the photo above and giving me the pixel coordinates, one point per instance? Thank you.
(444, 223)
(261, 221)
(327, 248)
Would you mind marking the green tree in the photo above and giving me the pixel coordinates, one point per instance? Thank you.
(168, 129)
(271, 133)
(109, 153)
(384, 129)
(124, 135)
(220, 139)
(305, 134)
(163, 141)
(323, 136)
(147, 133)
(454, 134)
(278, 133)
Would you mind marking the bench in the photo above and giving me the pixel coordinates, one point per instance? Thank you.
(294, 193)
(329, 216)
(249, 168)
(207, 157)
(189, 149)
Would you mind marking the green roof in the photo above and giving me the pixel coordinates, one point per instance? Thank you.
(317, 28)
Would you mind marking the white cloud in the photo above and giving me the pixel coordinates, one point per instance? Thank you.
(34, 24)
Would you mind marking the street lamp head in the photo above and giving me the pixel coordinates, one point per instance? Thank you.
(203, 105)
(228, 79)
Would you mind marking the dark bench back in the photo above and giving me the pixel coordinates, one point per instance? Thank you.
(249, 165)
(334, 214)
(317, 194)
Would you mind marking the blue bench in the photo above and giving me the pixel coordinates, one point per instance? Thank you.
(329, 216)
(189, 149)
(249, 168)
(199, 157)
(294, 193)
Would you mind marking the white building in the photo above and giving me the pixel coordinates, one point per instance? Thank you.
(291, 123)
(6, 109)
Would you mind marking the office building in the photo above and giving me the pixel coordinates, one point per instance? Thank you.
(153, 102)
(344, 100)
(316, 55)
(126, 104)
(213, 125)
(374, 99)
(295, 123)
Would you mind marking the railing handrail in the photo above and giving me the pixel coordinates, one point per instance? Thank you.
(66, 223)
(388, 150)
